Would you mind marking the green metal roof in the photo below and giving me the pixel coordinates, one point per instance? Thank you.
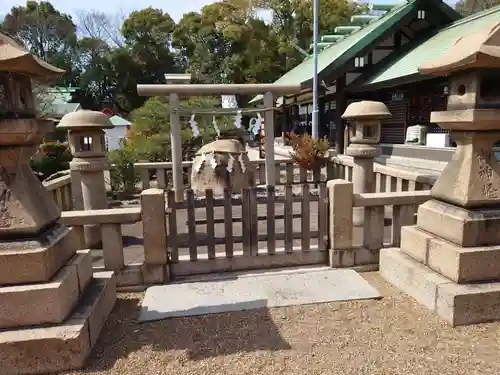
(61, 94)
(54, 101)
(346, 49)
(61, 109)
(405, 64)
(119, 121)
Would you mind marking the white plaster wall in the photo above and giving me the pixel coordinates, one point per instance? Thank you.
(114, 135)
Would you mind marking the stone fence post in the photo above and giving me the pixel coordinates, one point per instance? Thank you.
(154, 226)
(340, 231)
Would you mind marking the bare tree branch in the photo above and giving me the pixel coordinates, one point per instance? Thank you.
(103, 26)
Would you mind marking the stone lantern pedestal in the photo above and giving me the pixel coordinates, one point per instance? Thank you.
(450, 260)
(87, 144)
(365, 119)
(52, 308)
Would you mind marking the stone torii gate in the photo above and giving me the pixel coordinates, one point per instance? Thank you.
(175, 90)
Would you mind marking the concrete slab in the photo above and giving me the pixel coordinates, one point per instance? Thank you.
(239, 292)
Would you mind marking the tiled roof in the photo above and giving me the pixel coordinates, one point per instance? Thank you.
(405, 65)
(344, 50)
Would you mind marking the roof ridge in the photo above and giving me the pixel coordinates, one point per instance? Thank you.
(396, 7)
(472, 17)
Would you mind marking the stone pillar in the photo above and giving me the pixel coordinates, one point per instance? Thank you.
(87, 144)
(453, 253)
(155, 269)
(365, 119)
(46, 325)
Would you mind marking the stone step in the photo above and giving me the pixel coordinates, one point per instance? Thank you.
(463, 227)
(459, 264)
(458, 304)
(37, 260)
(51, 302)
(62, 347)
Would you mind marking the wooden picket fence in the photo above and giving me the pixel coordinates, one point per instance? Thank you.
(276, 230)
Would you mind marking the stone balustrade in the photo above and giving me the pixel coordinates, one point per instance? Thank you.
(350, 245)
(61, 191)
(354, 246)
(152, 215)
(387, 179)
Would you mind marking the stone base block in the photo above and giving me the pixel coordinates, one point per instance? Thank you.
(37, 260)
(45, 303)
(467, 228)
(61, 347)
(459, 264)
(458, 304)
(155, 273)
(358, 256)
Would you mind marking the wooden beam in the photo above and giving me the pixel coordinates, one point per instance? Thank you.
(405, 35)
(397, 39)
(384, 48)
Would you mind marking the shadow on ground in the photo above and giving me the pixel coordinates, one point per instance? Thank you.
(199, 337)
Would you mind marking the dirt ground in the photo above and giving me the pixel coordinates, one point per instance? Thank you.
(393, 335)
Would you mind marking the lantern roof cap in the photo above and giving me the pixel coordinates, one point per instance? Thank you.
(16, 59)
(479, 50)
(366, 109)
(85, 120)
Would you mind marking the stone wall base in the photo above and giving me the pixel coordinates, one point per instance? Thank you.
(458, 304)
(357, 256)
(65, 346)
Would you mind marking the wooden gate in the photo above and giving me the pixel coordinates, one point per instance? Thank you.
(259, 228)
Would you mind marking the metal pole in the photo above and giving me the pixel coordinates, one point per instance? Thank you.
(315, 114)
(269, 139)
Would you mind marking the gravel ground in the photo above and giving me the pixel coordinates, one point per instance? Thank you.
(393, 335)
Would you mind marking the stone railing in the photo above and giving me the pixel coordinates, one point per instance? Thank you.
(61, 191)
(286, 171)
(152, 215)
(384, 215)
(388, 179)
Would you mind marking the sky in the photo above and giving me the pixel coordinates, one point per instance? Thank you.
(176, 8)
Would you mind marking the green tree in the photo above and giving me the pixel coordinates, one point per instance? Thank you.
(145, 57)
(467, 7)
(292, 23)
(46, 32)
(225, 43)
(150, 132)
(96, 78)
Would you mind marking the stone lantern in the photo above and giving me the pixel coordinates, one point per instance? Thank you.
(88, 147)
(364, 118)
(453, 252)
(48, 295)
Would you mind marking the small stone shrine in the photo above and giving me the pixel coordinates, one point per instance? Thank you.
(219, 165)
(52, 307)
(450, 260)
